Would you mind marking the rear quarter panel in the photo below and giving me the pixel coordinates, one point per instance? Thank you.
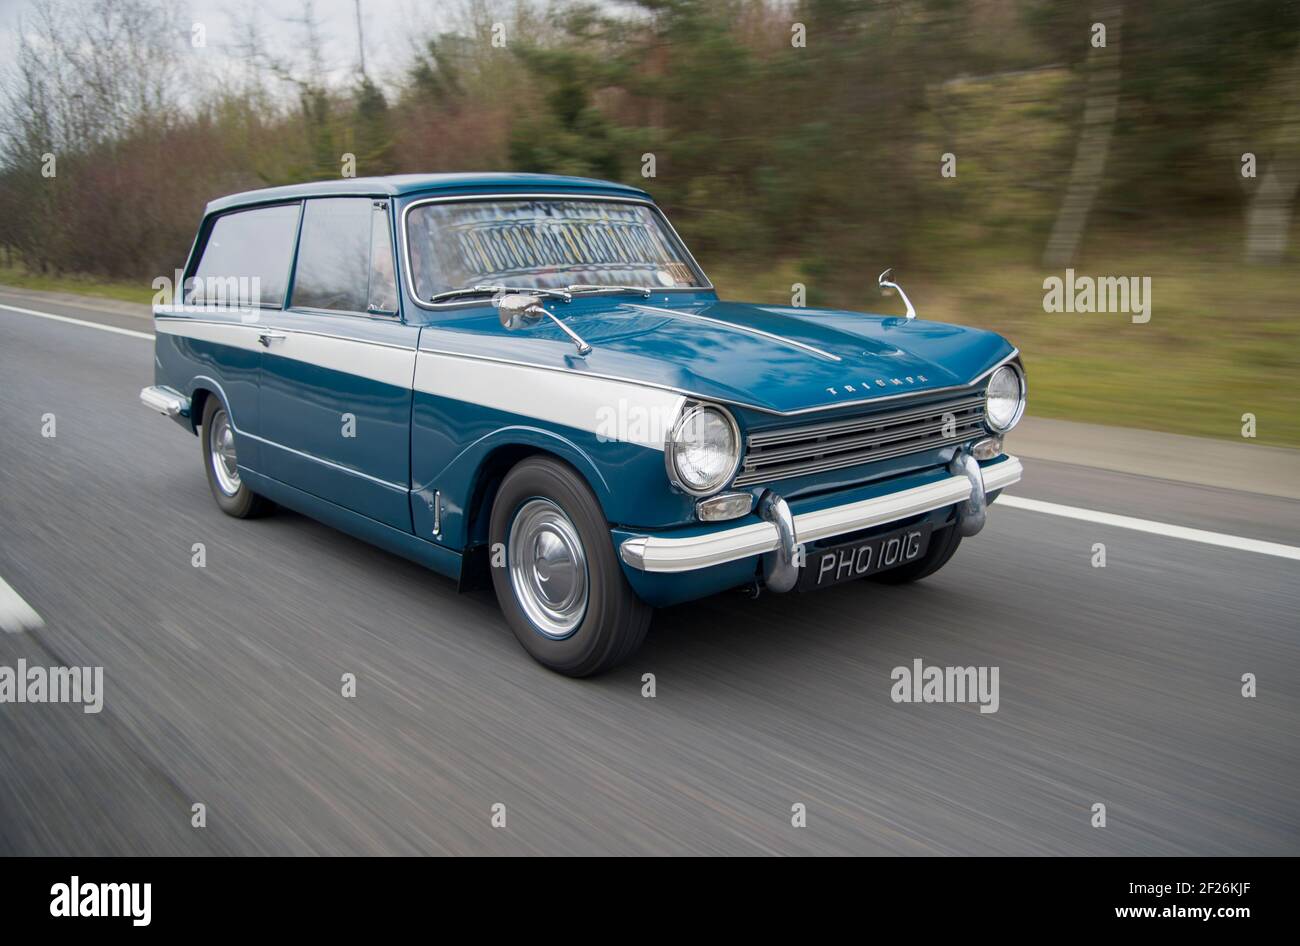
(216, 352)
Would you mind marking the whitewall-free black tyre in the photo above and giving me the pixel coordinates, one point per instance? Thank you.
(559, 583)
(221, 464)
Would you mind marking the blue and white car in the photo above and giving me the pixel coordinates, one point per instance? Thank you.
(528, 380)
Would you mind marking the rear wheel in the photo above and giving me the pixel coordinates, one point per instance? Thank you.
(561, 588)
(943, 543)
(221, 463)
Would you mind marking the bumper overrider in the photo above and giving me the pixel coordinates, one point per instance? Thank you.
(780, 533)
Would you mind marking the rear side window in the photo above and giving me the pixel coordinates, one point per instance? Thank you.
(345, 257)
(247, 257)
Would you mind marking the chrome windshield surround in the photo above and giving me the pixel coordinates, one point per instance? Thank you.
(570, 195)
(669, 554)
(671, 444)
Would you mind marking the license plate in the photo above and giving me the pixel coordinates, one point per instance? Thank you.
(825, 567)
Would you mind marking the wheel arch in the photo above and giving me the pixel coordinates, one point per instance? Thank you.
(202, 389)
(503, 457)
(198, 402)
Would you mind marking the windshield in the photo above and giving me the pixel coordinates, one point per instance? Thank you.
(545, 242)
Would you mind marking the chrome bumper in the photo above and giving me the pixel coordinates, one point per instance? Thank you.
(165, 401)
(967, 487)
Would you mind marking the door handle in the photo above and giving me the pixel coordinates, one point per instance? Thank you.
(266, 338)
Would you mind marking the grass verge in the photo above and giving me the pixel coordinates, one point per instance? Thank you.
(1223, 340)
(121, 290)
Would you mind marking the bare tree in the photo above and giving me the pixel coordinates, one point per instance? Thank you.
(1268, 217)
(1099, 110)
(85, 74)
(87, 80)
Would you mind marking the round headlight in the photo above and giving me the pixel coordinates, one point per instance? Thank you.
(703, 450)
(1005, 400)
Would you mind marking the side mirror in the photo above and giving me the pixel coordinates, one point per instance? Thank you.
(885, 282)
(517, 309)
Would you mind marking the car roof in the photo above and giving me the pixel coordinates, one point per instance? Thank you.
(400, 185)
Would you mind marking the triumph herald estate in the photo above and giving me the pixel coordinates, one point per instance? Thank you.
(528, 380)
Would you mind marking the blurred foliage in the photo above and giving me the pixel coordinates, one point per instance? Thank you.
(779, 162)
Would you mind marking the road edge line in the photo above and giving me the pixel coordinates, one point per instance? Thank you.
(71, 321)
(16, 615)
(1221, 539)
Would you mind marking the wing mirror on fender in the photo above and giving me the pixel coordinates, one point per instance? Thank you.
(884, 282)
(517, 310)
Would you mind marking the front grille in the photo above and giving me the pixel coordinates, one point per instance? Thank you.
(834, 445)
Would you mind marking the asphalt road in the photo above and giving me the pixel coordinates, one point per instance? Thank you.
(1119, 685)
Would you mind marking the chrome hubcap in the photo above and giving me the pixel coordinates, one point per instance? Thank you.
(548, 569)
(221, 446)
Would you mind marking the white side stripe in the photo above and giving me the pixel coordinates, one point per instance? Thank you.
(383, 363)
(1155, 528)
(63, 318)
(387, 364)
(15, 613)
(614, 410)
(235, 334)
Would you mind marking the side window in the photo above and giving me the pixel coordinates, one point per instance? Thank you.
(345, 259)
(383, 278)
(246, 259)
(334, 254)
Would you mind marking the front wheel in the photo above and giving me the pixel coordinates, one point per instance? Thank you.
(560, 586)
(220, 462)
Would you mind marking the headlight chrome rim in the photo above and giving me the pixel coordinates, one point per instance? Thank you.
(672, 445)
(1018, 373)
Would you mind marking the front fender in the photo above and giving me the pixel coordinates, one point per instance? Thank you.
(628, 479)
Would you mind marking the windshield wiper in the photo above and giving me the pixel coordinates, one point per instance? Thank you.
(493, 290)
(584, 287)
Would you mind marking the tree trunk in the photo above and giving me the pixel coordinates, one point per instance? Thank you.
(1099, 109)
(1268, 218)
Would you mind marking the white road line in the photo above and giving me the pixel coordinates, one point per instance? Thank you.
(15, 613)
(1155, 528)
(63, 318)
